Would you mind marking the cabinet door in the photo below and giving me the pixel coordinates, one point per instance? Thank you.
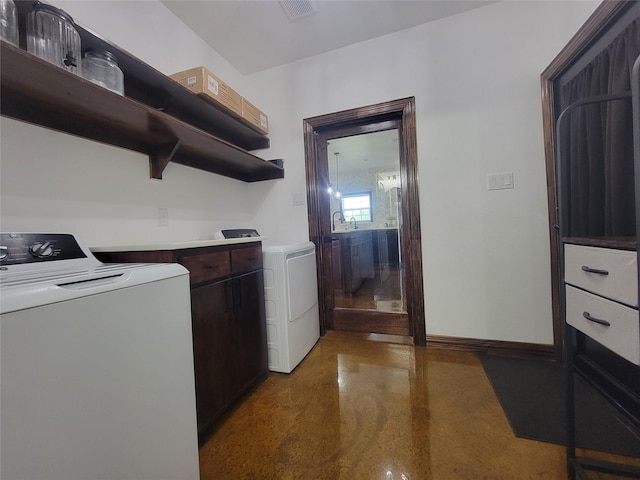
(250, 331)
(355, 267)
(366, 258)
(213, 350)
(336, 259)
(394, 247)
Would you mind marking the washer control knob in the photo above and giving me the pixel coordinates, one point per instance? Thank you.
(4, 251)
(41, 250)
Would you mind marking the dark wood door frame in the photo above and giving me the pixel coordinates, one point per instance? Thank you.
(317, 181)
(606, 13)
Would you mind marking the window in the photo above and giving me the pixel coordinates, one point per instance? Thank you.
(358, 206)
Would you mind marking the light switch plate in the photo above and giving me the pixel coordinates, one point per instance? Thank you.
(500, 181)
(298, 199)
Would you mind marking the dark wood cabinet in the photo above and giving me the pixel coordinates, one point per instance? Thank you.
(212, 320)
(250, 360)
(393, 246)
(228, 322)
(357, 258)
(336, 260)
(386, 253)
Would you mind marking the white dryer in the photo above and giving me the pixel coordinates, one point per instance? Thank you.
(291, 296)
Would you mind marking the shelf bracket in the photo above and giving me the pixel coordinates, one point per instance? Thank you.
(162, 156)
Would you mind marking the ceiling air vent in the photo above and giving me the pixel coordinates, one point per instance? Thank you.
(296, 9)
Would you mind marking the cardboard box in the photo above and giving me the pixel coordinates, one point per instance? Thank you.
(254, 117)
(201, 81)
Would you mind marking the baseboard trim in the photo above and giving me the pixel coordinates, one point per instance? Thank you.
(492, 347)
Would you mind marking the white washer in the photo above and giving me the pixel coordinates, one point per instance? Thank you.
(291, 296)
(96, 365)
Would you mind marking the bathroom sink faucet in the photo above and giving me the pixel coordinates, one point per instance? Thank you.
(355, 223)
(333, 219)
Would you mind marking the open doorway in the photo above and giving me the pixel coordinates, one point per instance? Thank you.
(364, 219)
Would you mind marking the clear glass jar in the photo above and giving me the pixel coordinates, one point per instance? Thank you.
(51, 35)
(9, 21)
(101, 68)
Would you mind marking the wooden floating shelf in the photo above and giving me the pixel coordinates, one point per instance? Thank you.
(34, 91)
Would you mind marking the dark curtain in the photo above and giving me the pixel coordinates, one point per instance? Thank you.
(598, 144)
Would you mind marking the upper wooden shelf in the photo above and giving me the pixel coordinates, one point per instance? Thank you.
(169, 124)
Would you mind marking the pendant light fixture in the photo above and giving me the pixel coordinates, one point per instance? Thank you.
(333, 190)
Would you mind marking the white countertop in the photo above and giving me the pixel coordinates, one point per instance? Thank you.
(174, 245)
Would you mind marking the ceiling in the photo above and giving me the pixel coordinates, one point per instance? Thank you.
(376, 151)
(257, 35)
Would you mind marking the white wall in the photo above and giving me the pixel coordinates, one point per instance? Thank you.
(475, 78)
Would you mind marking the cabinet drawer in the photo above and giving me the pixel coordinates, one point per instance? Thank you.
(246, 259)
(622, 336)
(605, 271)
(207, 266)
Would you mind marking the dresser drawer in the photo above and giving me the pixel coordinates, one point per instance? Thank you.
(246, 259)
(622, 336)
(207, 266)
(605, 271)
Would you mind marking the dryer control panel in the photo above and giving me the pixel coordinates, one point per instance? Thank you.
(237, 233)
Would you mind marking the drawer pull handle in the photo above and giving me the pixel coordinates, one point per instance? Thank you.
(588, 316)
(594, 270)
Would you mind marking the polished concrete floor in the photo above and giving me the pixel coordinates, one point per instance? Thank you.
(360, 408)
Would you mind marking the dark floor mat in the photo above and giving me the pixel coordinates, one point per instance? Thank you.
(532, 395)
